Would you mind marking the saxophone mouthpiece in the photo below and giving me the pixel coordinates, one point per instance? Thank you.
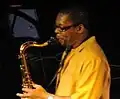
(52, 41)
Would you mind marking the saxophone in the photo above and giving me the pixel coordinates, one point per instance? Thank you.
(26, 78)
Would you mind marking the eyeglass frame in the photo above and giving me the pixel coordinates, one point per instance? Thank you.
(64, 29)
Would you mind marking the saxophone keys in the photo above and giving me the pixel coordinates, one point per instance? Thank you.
(19, 56)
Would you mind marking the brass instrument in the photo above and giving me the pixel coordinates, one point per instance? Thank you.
(26, 78)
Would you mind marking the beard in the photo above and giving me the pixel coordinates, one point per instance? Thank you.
(64, 42)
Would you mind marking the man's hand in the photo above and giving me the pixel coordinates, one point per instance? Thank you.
(37, 93)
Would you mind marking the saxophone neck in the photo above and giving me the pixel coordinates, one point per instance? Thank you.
(28, 44)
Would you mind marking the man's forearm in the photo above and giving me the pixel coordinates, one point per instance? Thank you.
(59, 97)
(62, 97)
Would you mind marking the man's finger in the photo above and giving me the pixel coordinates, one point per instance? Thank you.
(22, 95)
(28, 90)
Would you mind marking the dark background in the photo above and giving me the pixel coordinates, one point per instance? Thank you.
(104, 24)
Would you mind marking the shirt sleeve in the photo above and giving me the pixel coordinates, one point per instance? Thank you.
(90, 80)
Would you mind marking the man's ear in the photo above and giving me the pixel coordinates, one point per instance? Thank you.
(80, 29)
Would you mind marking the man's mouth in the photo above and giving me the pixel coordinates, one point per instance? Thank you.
(60, 40)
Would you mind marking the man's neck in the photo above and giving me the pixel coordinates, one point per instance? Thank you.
(80, 41)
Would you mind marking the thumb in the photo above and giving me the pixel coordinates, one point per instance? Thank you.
(36, 85)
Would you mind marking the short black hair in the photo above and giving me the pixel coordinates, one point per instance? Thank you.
(78, 14)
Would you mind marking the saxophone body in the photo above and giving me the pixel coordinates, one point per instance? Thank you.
(26, 77)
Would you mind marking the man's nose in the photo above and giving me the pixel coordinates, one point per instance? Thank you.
(57, 30)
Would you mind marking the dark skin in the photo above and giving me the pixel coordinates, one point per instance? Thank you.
(72, 36)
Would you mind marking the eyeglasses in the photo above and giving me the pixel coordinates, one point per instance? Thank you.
(63, 29)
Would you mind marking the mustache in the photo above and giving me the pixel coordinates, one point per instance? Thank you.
(62, 37)
(66, 38)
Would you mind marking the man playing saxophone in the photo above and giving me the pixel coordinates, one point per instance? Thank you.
(85, 73)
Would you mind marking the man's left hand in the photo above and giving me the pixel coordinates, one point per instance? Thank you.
(37, 93)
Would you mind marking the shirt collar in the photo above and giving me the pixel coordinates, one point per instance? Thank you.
(87, 42)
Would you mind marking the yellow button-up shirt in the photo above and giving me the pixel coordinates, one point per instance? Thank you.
(86, 73)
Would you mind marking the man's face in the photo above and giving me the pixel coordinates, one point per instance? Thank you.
(65, 32)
